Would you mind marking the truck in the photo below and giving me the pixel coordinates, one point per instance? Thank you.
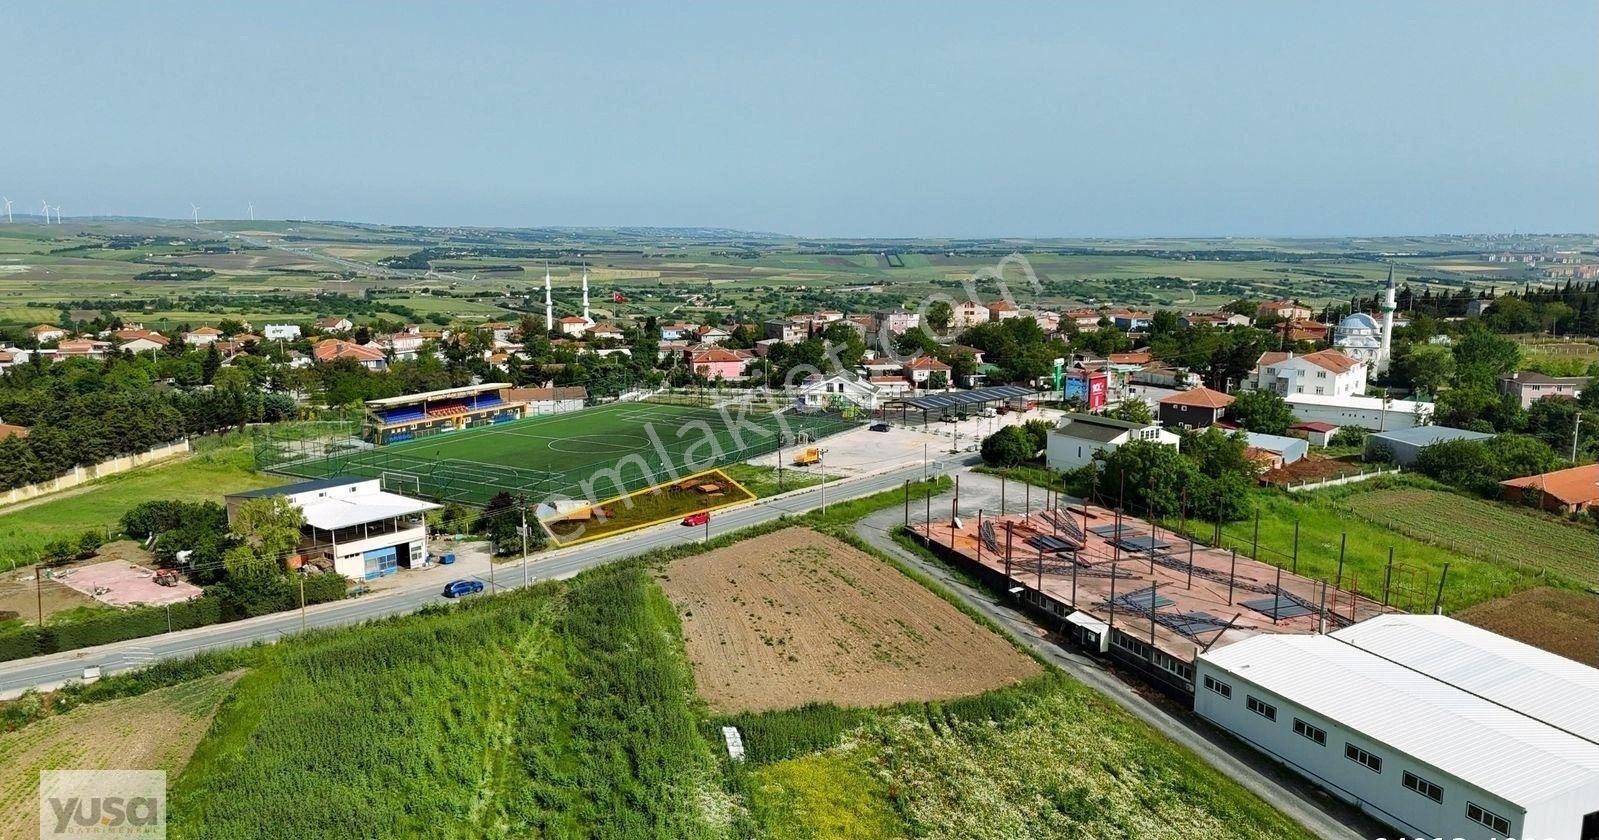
(807, 457)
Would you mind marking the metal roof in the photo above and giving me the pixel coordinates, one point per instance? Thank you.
(447, 393)
(300, 487)
(1537, 683)
(1495, 747)
(1426, 435)
(1096, 427)
(954, 399)
(334, 512)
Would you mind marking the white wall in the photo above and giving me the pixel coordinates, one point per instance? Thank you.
(1380, 794)
(1366, 418)
(349, 558)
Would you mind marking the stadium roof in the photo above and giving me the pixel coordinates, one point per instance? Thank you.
(447, 393)
(1494, 747)
(955, 399)
(1487, 664)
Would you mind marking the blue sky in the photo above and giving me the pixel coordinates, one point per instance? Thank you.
(827, 119)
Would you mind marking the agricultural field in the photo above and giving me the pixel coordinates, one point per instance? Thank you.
(1326, 530)
(1483, 530)
(796, 617)
(216, 469)
(154, 731)
(569, 709)
(1556, 620)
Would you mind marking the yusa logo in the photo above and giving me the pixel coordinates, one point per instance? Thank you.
(103, 803)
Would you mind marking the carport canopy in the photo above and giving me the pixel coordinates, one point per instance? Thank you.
(957, 399)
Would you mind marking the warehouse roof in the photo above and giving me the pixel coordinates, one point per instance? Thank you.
(1350, 401)
(1096, 427)
(1489, 665)
(1495, 747)
(1428, 435)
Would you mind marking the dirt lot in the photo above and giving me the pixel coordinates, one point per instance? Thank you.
(20, 599)
(1556, 620)
(1310, 468)
(154, 731)
(795, 617)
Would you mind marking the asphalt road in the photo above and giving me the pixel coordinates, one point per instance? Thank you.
(48, 672)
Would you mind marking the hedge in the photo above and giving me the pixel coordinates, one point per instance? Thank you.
(138, 622)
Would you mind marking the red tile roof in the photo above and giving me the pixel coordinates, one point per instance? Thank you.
(1201, 397)
(1577, 485)
(7, 430)
(924, 363)
(332, 349)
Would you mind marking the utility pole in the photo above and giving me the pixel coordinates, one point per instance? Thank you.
(38, 590)
(1574, 429)
(522, 504)
(821, 463)
(302, 607)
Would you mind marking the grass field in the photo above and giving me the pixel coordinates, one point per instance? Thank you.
(1482, 529)
(218, 468)
(650, 507)
(593, 454)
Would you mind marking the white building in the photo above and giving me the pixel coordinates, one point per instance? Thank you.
(202, 336)
(1431, 725)
(367, 532)
(819, 391)
(281, 332)
(1073, 443)
(1375, 413)
(1323, 373)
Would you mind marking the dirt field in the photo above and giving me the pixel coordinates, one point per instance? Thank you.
(794, 617)
(19, 598)
(1556, 620)
(154, 731)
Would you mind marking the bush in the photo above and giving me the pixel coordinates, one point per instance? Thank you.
(1353, 436)
(1008, 447)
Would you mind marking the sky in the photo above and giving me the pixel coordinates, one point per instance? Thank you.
(889, 119)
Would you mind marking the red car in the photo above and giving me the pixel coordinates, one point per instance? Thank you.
(700, 518)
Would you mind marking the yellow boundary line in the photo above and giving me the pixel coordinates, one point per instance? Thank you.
(748, 497)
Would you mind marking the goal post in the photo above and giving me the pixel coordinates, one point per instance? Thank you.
(395, 481)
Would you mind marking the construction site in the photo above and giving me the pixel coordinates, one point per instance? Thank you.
(1141, 595)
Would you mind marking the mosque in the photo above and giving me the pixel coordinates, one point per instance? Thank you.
(1363, 338)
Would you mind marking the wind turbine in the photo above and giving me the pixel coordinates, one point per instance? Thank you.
(58, 214)
(45, 205)
(196, 211)
(8, 209)
(252, 211)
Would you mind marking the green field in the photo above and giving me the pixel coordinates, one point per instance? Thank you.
(593, 454)
(569, 710)
(216, 469)
(1483, 530)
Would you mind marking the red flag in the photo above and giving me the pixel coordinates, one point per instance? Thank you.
(617, 297)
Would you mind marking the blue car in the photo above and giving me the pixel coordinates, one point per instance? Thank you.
(459, 588)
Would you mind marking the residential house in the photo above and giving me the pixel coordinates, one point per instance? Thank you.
(968, 313)
(202, 336)
(331, 350)
(336, 324)
(1565, 491)
(890, 388)
(1284, 309)
(1329, 373)
(788, 330)
(44, 333)
(1530, 386)
(1163, 375)
(1085, 319)
(667, 349)
(1193, 409)
(548, 400)
(710, 334)
(140, 341)
(1001, 310)
(897, 321)
(1220, 320)
(604, 332)
(679, 331)
(818, 391)
(87, 348)
(921, 369)
(282, 332)
(501, 330)
(572, 325)
(404, 345)
(1047, 321)
(1129, 320)
(8, 359)
(719, 363)
(1073, 443)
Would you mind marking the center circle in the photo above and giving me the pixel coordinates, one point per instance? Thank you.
(604, 444)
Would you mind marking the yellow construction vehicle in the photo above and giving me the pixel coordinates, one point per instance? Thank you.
(807, 457)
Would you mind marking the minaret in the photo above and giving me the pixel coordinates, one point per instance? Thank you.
(1388, 307)
(549, 308)
(586, 294)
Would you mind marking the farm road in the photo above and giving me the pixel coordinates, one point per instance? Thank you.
(1326, 817)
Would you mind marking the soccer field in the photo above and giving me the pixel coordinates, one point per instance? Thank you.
(595, 453)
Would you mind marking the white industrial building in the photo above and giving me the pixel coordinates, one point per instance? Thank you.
(366, 532)
(1375, 413)
(1433, 726)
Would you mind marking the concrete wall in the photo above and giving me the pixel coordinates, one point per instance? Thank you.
(81, 475)
(1380, 794)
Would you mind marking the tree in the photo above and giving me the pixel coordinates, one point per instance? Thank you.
(212, 364)
(1482, 357)
(1154, 477)
(501, 522)
(268, 532)
(1009, 447)
(1133, 411)
(939, 316)
(1427, 367)
(1263, 412)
